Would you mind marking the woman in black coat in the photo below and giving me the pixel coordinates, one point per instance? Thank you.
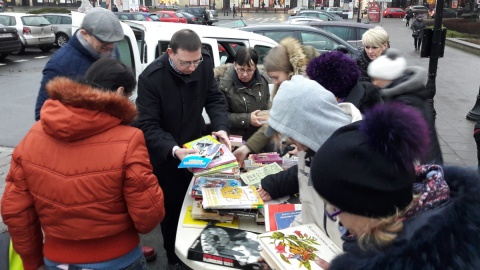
(417, 27)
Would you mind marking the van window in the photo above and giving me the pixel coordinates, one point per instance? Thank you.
(262, 51)
(319, 42)
(125, 53)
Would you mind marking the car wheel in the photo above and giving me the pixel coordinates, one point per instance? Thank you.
(20, 51)
(61, 40)
(3, 55)
(46, 48)
(210, 23)
(389, 15)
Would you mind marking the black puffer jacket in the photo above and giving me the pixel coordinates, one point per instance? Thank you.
(446, 237)
(363, 61)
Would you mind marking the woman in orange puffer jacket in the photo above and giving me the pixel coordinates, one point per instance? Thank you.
(82, 175)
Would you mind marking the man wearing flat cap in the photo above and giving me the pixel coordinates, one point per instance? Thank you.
(96, 39)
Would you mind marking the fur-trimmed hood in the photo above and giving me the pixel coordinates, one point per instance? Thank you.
(76, 111)
(296, 55)
(446, 237)
(415, 78)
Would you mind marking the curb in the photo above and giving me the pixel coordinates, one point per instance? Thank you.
(463, 45)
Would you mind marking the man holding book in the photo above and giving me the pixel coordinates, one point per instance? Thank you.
(172, 92)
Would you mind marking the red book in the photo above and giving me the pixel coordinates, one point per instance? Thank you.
(267, 158)
(273, 209)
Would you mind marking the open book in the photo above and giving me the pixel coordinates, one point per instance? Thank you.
(297, 247)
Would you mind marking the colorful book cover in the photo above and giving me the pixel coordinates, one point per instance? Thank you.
(204, 172)
(244, 197)
(254, 178)
(271, 210)
(284, 219)
(297, 247)
(267, 158)
(224, 156)
(208, 148)
(227, 247)
(208, 182)
(190, 222)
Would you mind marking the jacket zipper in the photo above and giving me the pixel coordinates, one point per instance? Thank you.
(245, 101)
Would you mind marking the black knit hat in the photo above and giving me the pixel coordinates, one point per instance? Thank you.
(367, 168)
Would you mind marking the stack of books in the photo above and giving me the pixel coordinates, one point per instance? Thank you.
(214, 159)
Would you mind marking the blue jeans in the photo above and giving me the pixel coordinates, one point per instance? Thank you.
(139, 264)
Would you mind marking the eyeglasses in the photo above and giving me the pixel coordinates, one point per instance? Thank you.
(188, 63)
(331, 211)
(242, 70)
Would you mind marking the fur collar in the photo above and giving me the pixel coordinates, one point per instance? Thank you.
(84, 96)
(415, 79)
(296, 56)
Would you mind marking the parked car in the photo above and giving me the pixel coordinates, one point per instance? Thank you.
(320, 14)
(394, 13)
(171, 16)
(169, 7)
(9, 41)
(150, 16)
(447, 13)
(132, 16)
(320, 39)
(294, 11)
(302, 19)
(349, 31)
(34, 30)
(419, 10)
(203, 15)
(335, 10)
(190, 18)
(62, 26)
(143, 9)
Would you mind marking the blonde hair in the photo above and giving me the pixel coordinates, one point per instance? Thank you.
(386, 231)
(375, 37)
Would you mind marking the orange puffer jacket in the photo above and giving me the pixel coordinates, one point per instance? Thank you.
(83, 176)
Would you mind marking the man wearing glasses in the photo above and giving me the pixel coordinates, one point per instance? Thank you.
(96, 39)
(172, 92)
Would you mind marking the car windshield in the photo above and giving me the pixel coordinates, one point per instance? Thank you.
(35, 21)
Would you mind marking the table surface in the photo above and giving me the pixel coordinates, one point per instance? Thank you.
(186, 236)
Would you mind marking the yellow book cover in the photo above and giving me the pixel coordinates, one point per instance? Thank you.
(190, 222)
(244, 197)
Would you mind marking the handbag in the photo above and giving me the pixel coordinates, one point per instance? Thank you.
(415, 34)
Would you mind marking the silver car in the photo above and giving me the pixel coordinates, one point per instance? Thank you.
(34, 30)
(62, 26)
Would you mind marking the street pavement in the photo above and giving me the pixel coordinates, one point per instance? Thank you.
(457, 89)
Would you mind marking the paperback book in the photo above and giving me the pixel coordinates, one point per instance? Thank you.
(223, 156)
(280, 216)
(254, 178)
(297, 247)
(214, 170)
(208, 148)
(199, 213)
(227, 247)
(208, 182)
(190, 222)
(244, 197)
(266, 158)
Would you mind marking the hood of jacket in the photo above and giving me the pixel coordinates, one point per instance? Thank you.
(412, 82)
(76, 111)
(296, 55)
(442, 238)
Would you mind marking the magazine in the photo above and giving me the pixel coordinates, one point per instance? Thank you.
(208, 148)
(254, 178)
(297, 247)
(245, 197)
(208, 182)
(227, 247)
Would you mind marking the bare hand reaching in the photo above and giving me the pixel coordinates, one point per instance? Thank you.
(256, 120)
(222, 136)
(264, 194)
(181, 153)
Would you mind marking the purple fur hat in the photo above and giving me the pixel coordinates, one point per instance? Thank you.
(368, 167)
(335, 71)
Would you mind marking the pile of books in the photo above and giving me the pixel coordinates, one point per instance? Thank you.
(255, 161)
(214, 159)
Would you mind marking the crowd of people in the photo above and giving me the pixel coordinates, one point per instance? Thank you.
(97, 170)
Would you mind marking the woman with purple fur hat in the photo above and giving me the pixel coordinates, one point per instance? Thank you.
(397, 215)
(339, 74)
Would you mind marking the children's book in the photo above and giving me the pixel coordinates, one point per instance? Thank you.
(266, 158)
(254, 177)
(244, 197)
(228, 247)
(280, 216)
(297, 247)
(199, 213)
(190, 222)
(208, 148)
(235, 140)
(205, 172)
(223, 156)
(201, 182)
(231, 173)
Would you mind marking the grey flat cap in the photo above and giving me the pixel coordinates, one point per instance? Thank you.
(103, 25)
